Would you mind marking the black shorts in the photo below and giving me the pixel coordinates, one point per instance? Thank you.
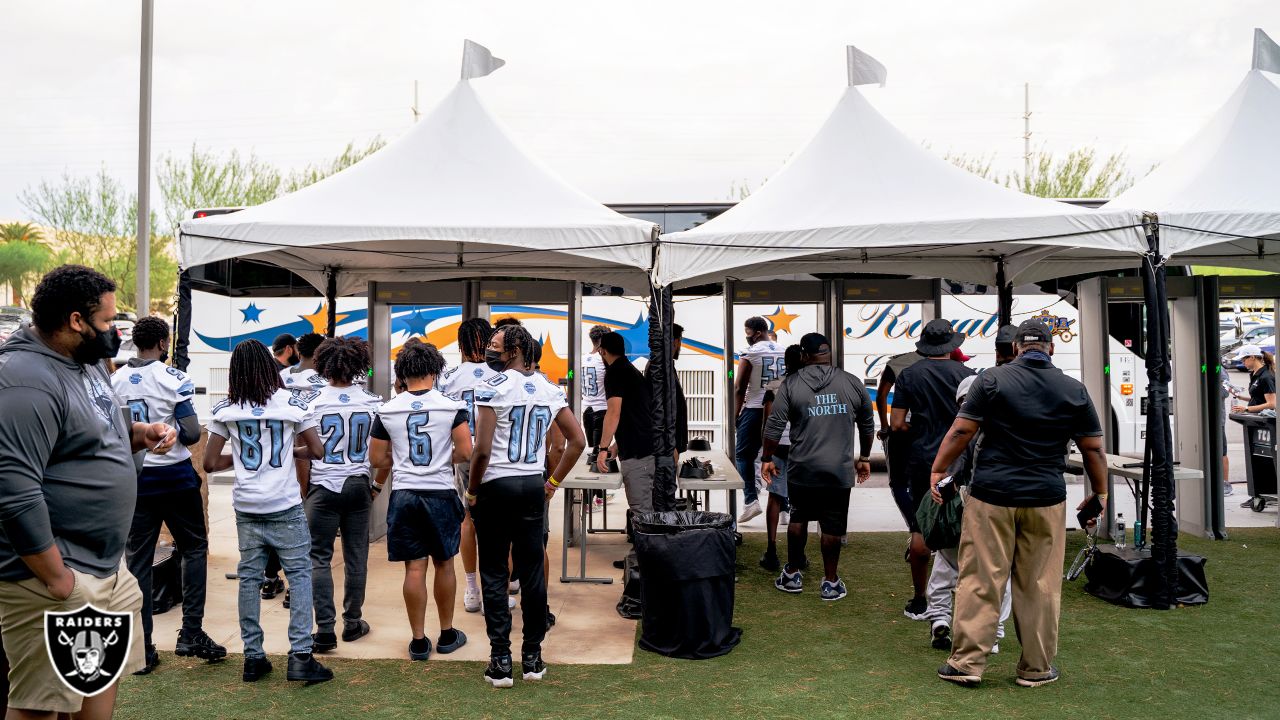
(897, 449)
(908, 496)
(827, 506)
(422, 524)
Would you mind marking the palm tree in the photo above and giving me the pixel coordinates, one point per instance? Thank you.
(23, 253)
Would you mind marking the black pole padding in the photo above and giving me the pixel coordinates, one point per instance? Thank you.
(1164, 525)
(331, 298)
(1004, 295)
(182, 323)
(662, 379)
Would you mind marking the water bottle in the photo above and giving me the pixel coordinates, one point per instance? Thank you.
(1118, 533)
(1138, 540)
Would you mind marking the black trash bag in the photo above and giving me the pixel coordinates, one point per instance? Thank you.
(687, 561)
(1129, 577)
(629, 605)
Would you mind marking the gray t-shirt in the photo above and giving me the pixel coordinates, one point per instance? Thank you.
(67, 472)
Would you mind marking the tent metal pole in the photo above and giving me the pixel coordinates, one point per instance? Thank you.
(331, 302)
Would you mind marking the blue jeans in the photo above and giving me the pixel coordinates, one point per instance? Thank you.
(285, 532)
(746, 443)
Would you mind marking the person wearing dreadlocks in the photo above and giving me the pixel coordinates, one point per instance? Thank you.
(460, 383)
(338, 492)
(261, 420)
(420, 434)
(507, 493)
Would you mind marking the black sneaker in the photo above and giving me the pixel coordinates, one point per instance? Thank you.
(532, 665)
(197, 643)
(152, 660)
(352, 632)
(303, 667)
(272, 587)
(419, 649)
(255, 668)
(940, 636)
(450, 640)
(1037, 682)
(286, 599)
(769, 561)
(323, 642)
(950, 674)
(917, 609)
(498, 674)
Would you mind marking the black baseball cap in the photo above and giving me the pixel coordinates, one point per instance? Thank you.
(813, 344)
(282, 341)
(1033, 331)
(1006, 335)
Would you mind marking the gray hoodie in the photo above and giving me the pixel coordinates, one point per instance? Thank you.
(824, 406)
(67, 473)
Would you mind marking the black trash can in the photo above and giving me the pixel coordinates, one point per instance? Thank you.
(1259, 457)
(687, 564)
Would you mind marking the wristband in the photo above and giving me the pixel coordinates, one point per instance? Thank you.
(764, 459)
(549, 486)
(379, 486)
(864, 459)
(553, 482)
(468, 495)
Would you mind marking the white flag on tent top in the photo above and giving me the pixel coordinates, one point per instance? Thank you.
(1266, 53)
(477, 61)
(864, 69)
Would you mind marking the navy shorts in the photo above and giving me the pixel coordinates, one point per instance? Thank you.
(422, 524)
(827, 506)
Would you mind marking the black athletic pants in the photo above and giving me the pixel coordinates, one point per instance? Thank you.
(509, 518)
(183, 512)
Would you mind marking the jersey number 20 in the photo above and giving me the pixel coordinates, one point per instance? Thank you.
(331, 426)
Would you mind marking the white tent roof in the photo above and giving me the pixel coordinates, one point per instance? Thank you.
(863, 197)
(454, 197)
(1218, 197)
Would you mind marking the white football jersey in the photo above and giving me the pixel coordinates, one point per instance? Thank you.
(767, 365)
(151, 392)
(295, 379)
(344, 417)
(460, 383)
(593, 382)
(261, 440)
(526, 406)
(420, 429)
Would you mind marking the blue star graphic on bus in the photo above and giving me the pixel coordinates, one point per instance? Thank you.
(252, 313)
(636, 338)
(415, 324)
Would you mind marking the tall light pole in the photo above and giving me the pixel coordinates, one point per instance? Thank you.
(144, 163)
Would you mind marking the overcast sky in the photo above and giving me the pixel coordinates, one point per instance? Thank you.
(632, 102)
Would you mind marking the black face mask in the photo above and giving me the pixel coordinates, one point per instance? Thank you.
(164, 357)
(494, 360)
(97, 345)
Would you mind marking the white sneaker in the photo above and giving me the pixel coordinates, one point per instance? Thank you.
(995, 649)
(511, 602)
(784, 518)
(471, 600)
(749, 512)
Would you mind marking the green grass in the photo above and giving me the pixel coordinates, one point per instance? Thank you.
(802, 658)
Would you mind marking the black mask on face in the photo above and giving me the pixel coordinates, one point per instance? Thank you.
(97, 345)
(494, 360)
(164, 356)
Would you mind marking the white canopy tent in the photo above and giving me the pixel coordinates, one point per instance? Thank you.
(1218, 197)
(863, 197)
(455, 197)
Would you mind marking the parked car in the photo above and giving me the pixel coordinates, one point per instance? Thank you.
(1250, 337)
(124, 322)
(12, 318)
(1267, 343)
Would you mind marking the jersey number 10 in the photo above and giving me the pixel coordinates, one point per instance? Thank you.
(528, 430)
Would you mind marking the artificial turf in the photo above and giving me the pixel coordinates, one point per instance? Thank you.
(803, 658)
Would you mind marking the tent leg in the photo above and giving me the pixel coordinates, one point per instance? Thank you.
(1164, 526)
(182, 323)
(331, 299)
(662, 380)
(1004, 295)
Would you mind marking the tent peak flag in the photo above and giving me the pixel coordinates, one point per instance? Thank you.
(477, 61)
(864, 69)
(1266, 53)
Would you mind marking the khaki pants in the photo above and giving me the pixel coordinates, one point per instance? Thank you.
(34, 683)
(995, 541)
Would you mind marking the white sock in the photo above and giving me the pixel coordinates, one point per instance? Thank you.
(471, 582)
